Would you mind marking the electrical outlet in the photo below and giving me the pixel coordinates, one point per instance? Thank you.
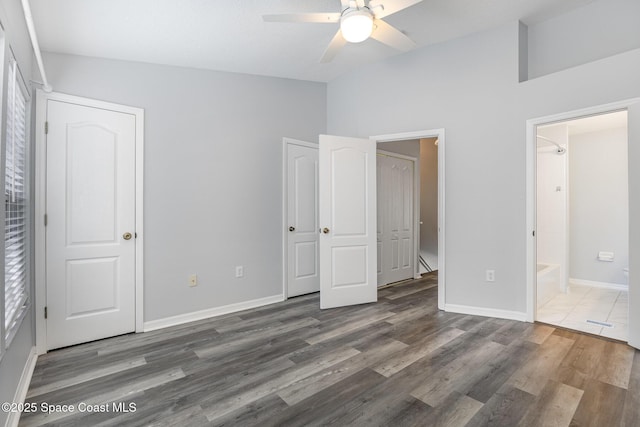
(193, 280)
(239, 271)
(490, 276)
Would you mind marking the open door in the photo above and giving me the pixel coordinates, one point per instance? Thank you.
(347, 182)
(633, 120)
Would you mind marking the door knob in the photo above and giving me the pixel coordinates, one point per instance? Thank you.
(127, 236)
(292, 228)
(325, 230)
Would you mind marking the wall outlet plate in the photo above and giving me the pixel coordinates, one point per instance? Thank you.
(490, 276)
(193, 280)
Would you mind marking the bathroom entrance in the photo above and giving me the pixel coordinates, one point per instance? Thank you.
(582, 224)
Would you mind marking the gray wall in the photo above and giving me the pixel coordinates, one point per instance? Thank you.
(469, 86)
(598, 30)
(14, 359)
(599, 205)
(213, 172)
(429, 197)
(410, 147)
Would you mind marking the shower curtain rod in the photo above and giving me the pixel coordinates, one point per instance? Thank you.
(560, 148)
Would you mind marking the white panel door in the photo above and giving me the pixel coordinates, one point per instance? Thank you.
(395, 211)
(90, 258)
(303, 274)
(347, 181)
(634, 228)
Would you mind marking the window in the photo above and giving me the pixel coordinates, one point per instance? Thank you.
(16, 237)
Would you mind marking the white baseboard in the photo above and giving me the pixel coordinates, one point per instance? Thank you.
(210, 312)
(604, 285)
(23, 387)
(486, 312)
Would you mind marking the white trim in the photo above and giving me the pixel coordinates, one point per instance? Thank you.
(139, 233)
(23, 386)
(416, 207)
(286, 140)
(531, 186)
(40, 177)
(440, 134)
(210, 312)
(28, 17)
(486, 312)
(603, 285)
(42, 99)
(285, 207)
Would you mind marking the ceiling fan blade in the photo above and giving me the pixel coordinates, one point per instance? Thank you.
(334, 47)
(322, 18)
(391, 36)
(382, 8)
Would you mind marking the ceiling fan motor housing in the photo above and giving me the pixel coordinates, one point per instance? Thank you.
(356, 24)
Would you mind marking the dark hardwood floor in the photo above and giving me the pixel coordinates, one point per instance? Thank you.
(399, 362)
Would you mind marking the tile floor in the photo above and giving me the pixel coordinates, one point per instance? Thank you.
(582, 303)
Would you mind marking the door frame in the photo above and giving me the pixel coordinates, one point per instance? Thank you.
(285, 198)
(420, 134)
(416, 206)
(531, 167)
(42, 98)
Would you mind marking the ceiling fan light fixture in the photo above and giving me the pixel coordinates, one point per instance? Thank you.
(356, 25)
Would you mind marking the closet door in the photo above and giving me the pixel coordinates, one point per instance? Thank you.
(303, 275)
(396, 217)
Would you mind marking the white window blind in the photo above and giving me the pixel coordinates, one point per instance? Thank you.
(16, 203)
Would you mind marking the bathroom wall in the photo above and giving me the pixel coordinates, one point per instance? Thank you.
(551, 187)
(599, 205)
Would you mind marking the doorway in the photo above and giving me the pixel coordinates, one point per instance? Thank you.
(300, 241)
(288, 225)
(582, 216)
(429, 147)
(632, 107)
(89, 272)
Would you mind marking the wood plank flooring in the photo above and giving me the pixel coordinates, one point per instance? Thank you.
(399, 362)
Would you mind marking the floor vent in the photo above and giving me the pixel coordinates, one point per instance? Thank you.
(597, 322)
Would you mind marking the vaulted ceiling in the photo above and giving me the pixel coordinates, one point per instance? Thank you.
(230, 35)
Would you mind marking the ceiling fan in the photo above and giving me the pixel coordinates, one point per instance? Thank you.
(359, 20)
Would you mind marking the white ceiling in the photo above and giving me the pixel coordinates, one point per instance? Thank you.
(230, 35)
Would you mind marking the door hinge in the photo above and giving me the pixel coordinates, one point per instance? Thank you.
(46, 219)
(46, 128)
(534, 233)
(45, 312)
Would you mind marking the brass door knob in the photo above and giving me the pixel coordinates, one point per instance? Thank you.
(325, 230)
(127, 236)
(292, 228)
